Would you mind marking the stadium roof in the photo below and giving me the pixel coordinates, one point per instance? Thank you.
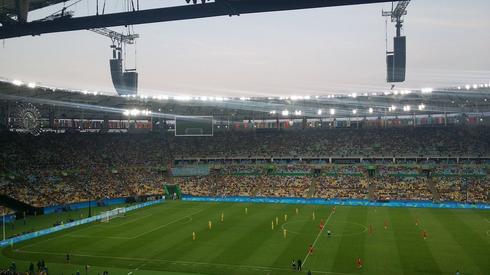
(10, 5)
(469, 99)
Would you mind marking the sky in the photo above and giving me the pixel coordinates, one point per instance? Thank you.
(314, 51)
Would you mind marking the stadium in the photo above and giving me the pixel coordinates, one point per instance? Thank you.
(106, 172)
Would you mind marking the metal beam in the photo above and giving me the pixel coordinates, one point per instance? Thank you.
(217, 8)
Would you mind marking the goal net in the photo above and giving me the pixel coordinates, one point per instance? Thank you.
(111, 214)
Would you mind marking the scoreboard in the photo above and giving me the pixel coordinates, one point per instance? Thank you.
(193, 125)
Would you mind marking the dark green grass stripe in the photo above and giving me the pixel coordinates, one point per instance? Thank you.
(143, 244)
(251, 239)
(415, 255)
(467, 238)
(168, 242)
(296, 245)
(381, 254)
(127, 248)
(352, 246)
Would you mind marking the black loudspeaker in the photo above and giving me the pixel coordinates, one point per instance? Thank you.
(396, 61)
(125, 83)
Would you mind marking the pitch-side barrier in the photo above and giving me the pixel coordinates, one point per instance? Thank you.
(43, 232)
(347, 202)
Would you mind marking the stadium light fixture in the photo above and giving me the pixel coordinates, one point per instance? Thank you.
(393, 108)
(31, 85)
(354, 111)
(427, 90)
(406, 108)
(421, 107)
(17, 82)
(297, 112)
(126, 113)
(475, 86)
(319, 112)
(273, 112)
(332, 112)
(134, 112)
(182, 98)
(370, 110)
(285, 112)
(467, 87)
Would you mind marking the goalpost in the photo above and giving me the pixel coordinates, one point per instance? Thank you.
(111, 214)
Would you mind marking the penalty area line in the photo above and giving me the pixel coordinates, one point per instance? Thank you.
(317, 237)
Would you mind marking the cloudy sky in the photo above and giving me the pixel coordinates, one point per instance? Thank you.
(315, 51)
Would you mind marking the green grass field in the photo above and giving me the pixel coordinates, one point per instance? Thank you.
(158, 239)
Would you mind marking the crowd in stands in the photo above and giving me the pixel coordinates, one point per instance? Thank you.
(53, 169)
(38, 188)
(472, 189)
(449, 141)
(342, 187)
(398, 188)
(261, 186)
(5, 210)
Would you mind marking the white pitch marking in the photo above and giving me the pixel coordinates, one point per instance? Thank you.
(181, 262)
(317, 237)
(167, 224)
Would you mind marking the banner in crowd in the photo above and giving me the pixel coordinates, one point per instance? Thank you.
(348, 202)
(8, 218)
(28, 236)
(81, 205)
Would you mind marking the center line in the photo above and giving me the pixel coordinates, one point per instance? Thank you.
(317, 237)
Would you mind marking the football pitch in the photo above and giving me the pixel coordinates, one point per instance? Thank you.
(260, 239)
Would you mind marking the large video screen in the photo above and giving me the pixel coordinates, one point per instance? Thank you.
(193, 125)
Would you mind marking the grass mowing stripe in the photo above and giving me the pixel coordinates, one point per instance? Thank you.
(415, 255)
(463, 234)
(263, 251)
(351, 246)
(317, 237)
(167, 224)
(296, 243)
(251, 237)
(186, 263)
(207, 239)
(380, 242)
